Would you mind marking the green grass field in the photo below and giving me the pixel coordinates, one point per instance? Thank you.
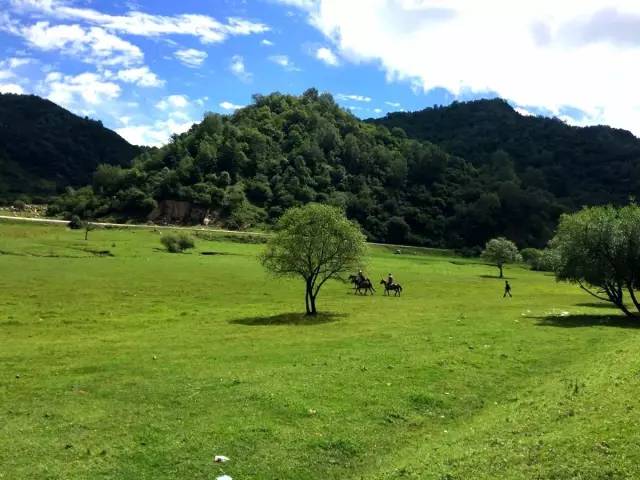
(139, 364)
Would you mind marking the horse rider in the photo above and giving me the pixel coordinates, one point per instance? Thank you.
(390, 281)
(360, 277)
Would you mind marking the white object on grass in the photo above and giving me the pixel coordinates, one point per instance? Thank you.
(220, 459)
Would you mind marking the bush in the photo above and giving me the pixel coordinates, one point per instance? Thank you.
(19, 205)
(531, 256)
(541, 260)
(76, 223)
(177, 242)
(549, 260)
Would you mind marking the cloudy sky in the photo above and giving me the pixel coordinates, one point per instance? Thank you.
(151, 68)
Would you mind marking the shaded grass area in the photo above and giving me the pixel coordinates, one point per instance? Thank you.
(144, 365)
(289, 319)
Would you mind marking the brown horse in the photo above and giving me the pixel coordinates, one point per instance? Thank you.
(360, 285)
(396, 288)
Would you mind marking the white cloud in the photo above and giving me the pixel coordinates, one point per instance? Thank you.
(140, 76)
(154, 134)
(542, 53)
(87, 88)
(285, 62)
(377, 110)
(524, 112)
(191, 57)
(207, 29)
(266, 43)
(305, 4)
(172, 101)
(393, 104)
(176, 118)
(230, 106)
(327, 56)
(8, 66)
(237, 67)
(10, 88)
(93, 45)
(17, 62)
(355, 98)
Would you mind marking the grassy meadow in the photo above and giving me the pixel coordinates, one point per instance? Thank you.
(121, 361)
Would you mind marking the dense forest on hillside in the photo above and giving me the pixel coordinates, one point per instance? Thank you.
(578, 166)
(283, 150)
(44, 148)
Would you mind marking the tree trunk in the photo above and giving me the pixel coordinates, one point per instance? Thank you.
(312, 300)
(634, 299)
(86, 234)
(500, 267)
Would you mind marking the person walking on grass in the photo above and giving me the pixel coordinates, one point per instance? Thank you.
(507, 289)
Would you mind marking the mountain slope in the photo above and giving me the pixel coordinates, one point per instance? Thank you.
(578, 166)
(44, 148)
(488, 172)
(247, 168)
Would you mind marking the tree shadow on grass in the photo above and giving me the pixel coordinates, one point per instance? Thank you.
(585, 320)
(290, 319)
(596, 305)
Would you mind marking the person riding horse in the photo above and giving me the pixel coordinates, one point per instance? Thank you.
(391, 286)
(361, 283)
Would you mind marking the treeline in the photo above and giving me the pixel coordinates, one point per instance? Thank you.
(282, 151)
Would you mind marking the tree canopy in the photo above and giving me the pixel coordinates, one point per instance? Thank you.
(500, 251)
(317, 243)
(599, 249)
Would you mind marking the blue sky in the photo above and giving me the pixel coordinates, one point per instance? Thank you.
(151, 68)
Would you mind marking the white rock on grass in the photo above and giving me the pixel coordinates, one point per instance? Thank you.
(220, 459)
(224, 477)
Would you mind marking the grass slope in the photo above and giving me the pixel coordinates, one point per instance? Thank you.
(138, 364)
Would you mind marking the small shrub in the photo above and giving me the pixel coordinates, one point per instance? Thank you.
(177, 242)
(19, 205)
(76, 223)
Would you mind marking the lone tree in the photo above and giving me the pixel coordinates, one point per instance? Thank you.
(315, 242)
(499, 251)
(599, 249)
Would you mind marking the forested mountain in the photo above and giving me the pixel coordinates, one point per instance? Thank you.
(44, 148)
(489, 171)
(578, 166)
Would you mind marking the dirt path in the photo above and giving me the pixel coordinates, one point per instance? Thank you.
(169, 227)
(130, 225)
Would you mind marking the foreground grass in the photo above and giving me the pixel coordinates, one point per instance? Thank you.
(120, 361)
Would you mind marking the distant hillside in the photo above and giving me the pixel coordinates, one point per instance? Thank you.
(281, 151)
(578, 166)
(44, 148)
(488, 172)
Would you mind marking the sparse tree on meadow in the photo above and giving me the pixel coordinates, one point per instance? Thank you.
(315, 242)
(599, 249)
(88, 226)
(500, 251)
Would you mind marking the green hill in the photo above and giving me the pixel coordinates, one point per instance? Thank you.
(579, 166)
(45, 148)
(247, 168)
(445, 177)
